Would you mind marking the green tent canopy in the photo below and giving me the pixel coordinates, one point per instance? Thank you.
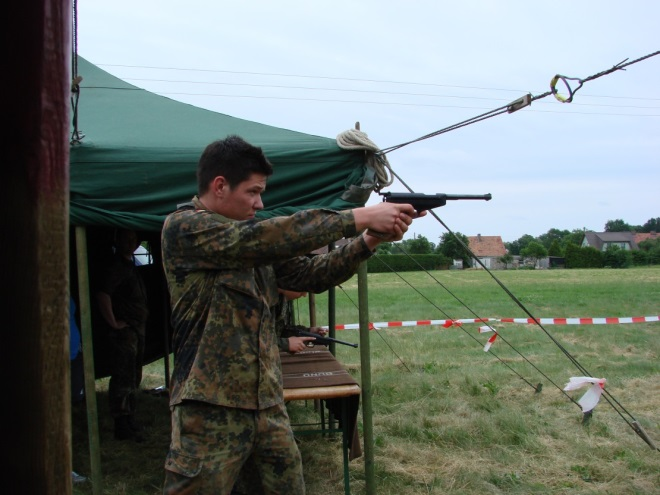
(137, 154)
(133, 159)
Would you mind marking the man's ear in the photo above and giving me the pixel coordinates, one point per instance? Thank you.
(219, 186)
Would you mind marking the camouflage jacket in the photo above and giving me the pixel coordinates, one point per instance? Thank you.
(223, 277)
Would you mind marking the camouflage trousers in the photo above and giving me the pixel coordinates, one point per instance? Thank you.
(126, 374)
(210, 444)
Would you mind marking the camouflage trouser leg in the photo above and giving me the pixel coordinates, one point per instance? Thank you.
(211, 443)
(249, 480)
(128, 352)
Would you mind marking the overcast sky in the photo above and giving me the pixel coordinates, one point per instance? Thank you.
(407, 69)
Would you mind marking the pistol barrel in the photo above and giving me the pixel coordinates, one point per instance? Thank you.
(423, 202)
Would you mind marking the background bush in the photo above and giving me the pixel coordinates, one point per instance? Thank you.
(385, 263)
(583, 257)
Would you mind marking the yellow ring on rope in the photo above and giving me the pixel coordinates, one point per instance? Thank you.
(555, 93)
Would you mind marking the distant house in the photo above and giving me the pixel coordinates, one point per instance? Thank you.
(604, 240)
(645, 236)
(487, 248)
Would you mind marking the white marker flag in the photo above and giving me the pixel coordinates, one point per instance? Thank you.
(589, 400)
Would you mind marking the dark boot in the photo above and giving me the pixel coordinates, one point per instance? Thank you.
(123, 430)
(134, 425)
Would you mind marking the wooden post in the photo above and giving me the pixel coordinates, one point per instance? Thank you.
(34, 251)
(365, 372)
(88, 360)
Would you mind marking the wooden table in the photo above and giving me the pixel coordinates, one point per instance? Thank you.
(316, 374)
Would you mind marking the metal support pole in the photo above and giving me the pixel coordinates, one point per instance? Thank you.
(365, 361)
(332, 308)
(332, 323)
(312, 310)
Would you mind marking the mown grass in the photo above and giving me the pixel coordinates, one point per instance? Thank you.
(461, 294)
(450, 418)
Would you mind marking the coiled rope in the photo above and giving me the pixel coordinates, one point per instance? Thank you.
(354, 139)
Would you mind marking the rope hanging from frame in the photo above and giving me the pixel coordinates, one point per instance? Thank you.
(354, 139)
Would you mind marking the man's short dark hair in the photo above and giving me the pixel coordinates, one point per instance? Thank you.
(233, 158)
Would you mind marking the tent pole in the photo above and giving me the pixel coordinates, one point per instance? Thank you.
(365, 366)
(88, 360)
(332, 323)
(365, 362)
(332, 309)
(166, 340)
(312, 310)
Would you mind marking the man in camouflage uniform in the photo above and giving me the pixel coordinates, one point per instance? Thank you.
(122, 301)
(223, 269)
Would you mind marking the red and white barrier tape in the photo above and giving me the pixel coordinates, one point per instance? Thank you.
(542, 321)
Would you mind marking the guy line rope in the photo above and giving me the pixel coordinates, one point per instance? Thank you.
(376, 159)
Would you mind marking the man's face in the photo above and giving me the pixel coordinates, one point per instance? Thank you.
(244, 200)
(126, 242)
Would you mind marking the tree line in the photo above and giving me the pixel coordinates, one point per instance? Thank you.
(555, 243)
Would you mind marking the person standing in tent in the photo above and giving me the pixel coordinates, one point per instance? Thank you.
(223, 270)
(122, 301)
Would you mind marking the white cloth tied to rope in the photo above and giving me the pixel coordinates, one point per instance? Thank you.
(592, 396)
(377, 163)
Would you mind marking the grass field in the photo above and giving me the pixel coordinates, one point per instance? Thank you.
(450, 418)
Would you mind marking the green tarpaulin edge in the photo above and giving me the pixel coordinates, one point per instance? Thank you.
(138, 152)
